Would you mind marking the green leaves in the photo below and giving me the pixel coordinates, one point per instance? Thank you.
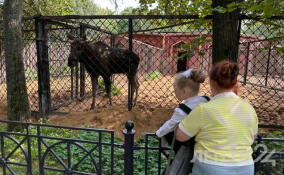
(232, 6)
(191, 48)
(278, 146)
(153, 75)
(280, 49)
(263, 8)
(220, 9)
(115, 90)
(62, 7)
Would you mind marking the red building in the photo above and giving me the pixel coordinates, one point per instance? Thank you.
(171, 43)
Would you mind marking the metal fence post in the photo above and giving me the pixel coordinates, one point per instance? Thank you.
(246, 64)
(29, 167)
(129, 133)
(268, 63)
(112, 44)
(112, 41)
(82, 67)
(39, 149)
(43, 67)
(130, 47)
(2, 160)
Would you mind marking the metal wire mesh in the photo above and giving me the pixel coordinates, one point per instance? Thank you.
(262, 68)
(157, 41)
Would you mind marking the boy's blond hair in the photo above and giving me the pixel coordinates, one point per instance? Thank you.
(192, 82)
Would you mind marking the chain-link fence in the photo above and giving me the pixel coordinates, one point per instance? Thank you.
(157, 41)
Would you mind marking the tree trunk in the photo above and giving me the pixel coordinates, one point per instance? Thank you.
(226, 32)
(18, 102)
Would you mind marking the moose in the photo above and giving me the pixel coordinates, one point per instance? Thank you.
(100, 59)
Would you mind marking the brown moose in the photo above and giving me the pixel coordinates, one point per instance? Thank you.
(101, 60)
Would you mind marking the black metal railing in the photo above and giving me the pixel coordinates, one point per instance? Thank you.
(45, 149)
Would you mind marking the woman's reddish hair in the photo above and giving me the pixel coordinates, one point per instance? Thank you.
(225, 73)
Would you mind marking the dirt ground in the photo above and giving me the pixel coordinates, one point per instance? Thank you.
(114, 118)
(3, 112)
(155, 105)
(146, 119)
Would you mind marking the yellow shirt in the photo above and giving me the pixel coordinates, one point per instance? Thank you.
(224, 130)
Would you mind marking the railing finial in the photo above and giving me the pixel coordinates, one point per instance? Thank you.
(129, 125)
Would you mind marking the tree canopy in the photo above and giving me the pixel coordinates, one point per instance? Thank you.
(263, 8)
(61, 7)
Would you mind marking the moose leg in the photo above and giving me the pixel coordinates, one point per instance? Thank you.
(108, 88)
(135, 86)
(136, 89)
(94, 80)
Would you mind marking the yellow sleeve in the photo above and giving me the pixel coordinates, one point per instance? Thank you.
(256, 125)
(192, 123)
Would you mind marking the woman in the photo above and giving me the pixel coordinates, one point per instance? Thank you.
(224, 128)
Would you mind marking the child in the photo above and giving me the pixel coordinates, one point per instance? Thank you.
(186, 86)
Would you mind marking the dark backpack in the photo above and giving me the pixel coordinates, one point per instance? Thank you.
(186, 109)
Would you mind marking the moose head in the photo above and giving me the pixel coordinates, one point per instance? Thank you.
(76, 50)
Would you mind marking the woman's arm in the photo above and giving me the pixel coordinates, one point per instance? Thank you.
(191, 125)
(181, 136)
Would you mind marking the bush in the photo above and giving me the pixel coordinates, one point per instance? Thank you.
(115, 90)
(153, 75)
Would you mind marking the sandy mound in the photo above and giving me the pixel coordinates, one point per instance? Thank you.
(114, 118)
(155, 105)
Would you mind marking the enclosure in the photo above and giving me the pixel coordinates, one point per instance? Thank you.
(157, 40)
